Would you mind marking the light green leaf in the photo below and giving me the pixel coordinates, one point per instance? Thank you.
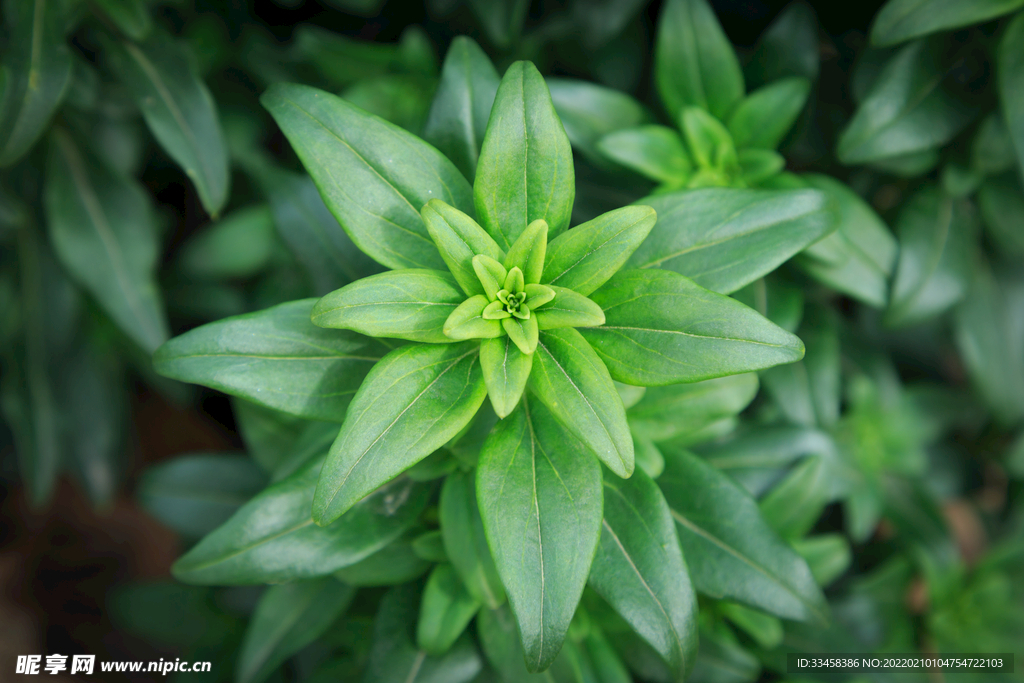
(237, 246)
(35, 74)
(901, 20)
(194, 494)
(459, 238)
(462, 104)
(586, 257)
(764, 629)
(410, 304)
(568, 309)
(639, 569)
(590, 112)
(506, 370)
(1010, 70)
(569, 378)
(764, 117)
(694, 64)
(288, 618)
(656, 152)
(936, 235)
(528, 251)
(343, 148)
(828, 556)
(276, 358)
(465, 542)
(524, 333)
(430, 546)
(467, 321)
(413, 402)
(724, 238)
(161, 76)
(446, 610)
(731, 552)
(759, 165)
(525, 171)
(708, 141)
(667, 412)
(104, 233)
(794, 505)
(910, 108)
(272, 538)
(660, 328)
(539, 492)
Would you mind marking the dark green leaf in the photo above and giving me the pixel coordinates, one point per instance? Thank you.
(412, 402)
(788, 47)
(639, 569)
(465, 542)
(936, 235)
(237, 246)
(410, 304)
(660, 328)
(499, 639)
(525, 171)
(590, 112)
(395, 659)
(1010, 68)
(911, 107)
(1002, 207)
(104, 232)
(313, 442)
(667, 412)
(901, 20)
(764, 117)
(502, 19)
(992, 149)
(722, 660)
(35, 74)
(276, 358)
(793, 506)
(807, 393)
(446, 610)
(181, 114)
(344, 148)
(430, 546)
(725, 238)
(130, 16)
(569, 378)
(272, 538)
(195, 494)
(694, 64)
(586, 257)
(732, 553)
(539, 491)
(396, 98)
(392, 565)
(269, 435)
(288, 618)
(462, 104)
(656, 152)
(759, 165)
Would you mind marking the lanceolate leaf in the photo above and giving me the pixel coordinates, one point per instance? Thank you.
(35, 73)
(731, 552)
(570, 379)
(446, 610)
(725, 238)
(462, 104)
(525, 171)
(660, 328)
(179, 111)
(273, 539)
(288, 618)
(412, 403)
(639, 569)
(1010, 65)
(499, 639)
(411, 304)
(539, 491)
(506, 370)
(667, 412)
(459, 238)
(104, 233)
(344, 148)
(766, 115)
(590, 111)
(657, 152)
(276, 358)
(584, 258)
(901, 20)
(465, 542)
(694, 62)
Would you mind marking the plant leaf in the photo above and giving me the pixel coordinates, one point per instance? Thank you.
(525, 170)
(788, 47)
(540, 499)
(656, 152)
(1010, 69)
(639, 569)
(528, 252)
(237, 246)
(694, 64)
(732, 553)
(462, 104)
(569, 378)
(667, 412)
(446, 610)
(828, 556)
(1001, 201)
(343, 147)
(764, 117)
(465, 541)
(131, 16)
(410, 304)
(276, 358)
(660, 328)
(459, 238)
(936, 235)
(808, 393)
(901, 20)
(392, 565)
(724, 238)
(590, 112)
(104, 232)
(413, 402)
(586, 257)
(288, 618)
(568, 309)
(272, 539)
(179, 111)
(506, 370)
(467, 321)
